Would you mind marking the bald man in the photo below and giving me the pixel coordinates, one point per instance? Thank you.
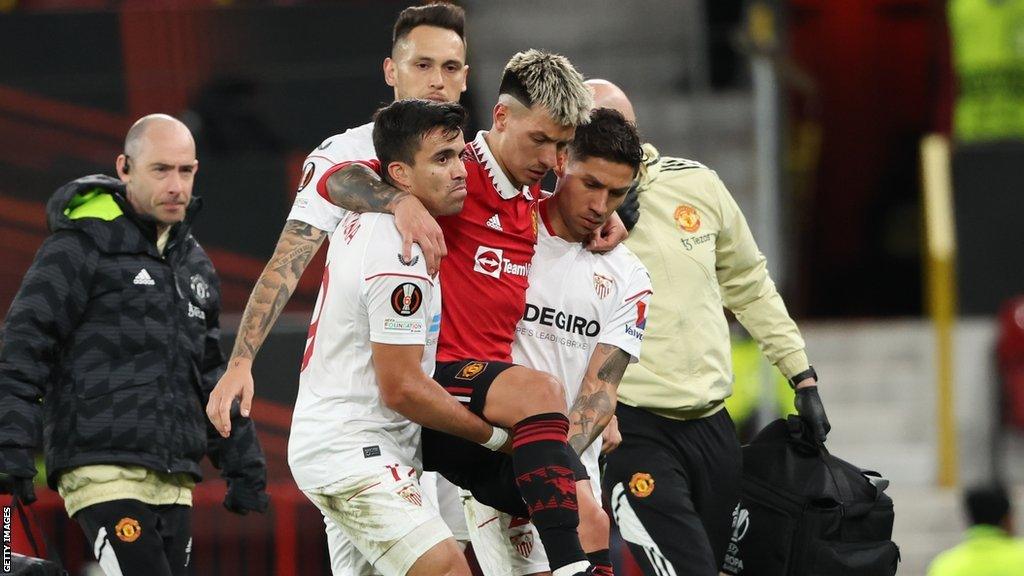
(674, 480)
(109, 353)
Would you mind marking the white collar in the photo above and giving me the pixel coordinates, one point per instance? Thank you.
(501, 182)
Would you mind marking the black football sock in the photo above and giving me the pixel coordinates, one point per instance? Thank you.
(602, 562)
(548, 486)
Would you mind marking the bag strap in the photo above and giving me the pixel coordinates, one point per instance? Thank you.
(804, 438)
(50, 552)
(800, 437)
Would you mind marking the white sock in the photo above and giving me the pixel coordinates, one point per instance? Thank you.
(572, 569)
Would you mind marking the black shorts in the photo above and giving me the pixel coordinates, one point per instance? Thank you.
(469, 380)
(133, 537)
(489, 475)
(673, 485)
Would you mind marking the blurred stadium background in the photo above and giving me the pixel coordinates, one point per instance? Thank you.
(812, 111)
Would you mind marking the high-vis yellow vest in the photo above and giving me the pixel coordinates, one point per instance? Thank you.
(988, 57)
(985, 551)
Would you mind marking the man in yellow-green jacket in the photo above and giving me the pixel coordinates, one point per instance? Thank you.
(988, 549)
(674, 480)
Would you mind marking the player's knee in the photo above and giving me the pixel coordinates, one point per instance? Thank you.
(455, 568)
(444, 559)
(543, 394)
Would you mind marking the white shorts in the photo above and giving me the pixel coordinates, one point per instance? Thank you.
(384, 515)
(449, 503)
(504, 546)
(346, 559)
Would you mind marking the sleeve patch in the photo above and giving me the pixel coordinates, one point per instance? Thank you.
(406, 300)
(403, 325)
(307, 175)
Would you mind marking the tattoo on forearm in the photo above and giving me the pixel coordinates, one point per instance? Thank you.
(587, 413)
(595, 403)
(359, 189)
(614, 366)
(298, 243)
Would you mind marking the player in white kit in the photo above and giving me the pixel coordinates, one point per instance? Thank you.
(365, 386)
(584, 319)
(428, 60)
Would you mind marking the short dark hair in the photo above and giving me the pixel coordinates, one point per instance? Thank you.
(439, 14)
(609, 136)
(987, 504)
(399, 127)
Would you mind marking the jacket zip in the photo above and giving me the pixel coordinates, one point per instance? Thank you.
(175, 298)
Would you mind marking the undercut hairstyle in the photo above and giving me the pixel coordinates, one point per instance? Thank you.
(549, 80)
(400, 127)
(608, 136)
(987, 505)
(438, 14)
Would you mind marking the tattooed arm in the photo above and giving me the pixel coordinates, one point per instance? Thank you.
(295, 248)
(358, 188)
(595, 402)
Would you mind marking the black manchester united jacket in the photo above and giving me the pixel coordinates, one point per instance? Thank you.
(110, 350)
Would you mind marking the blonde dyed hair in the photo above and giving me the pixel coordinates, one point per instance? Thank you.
(535, 77)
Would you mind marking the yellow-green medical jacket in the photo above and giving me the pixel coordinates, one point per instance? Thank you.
(700, 253)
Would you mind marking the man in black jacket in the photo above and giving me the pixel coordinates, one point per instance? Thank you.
(109, 353)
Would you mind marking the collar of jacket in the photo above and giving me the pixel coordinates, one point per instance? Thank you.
(985, 532)
(147, 227)
(96, 205)
(650, 167)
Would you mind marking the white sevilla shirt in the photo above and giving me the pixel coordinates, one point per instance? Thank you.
(369, 293)
(310, 207)
(578, 299)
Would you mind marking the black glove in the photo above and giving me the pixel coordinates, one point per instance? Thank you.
(629, 210)
(243, 497)
(808, 405)
(23, 488)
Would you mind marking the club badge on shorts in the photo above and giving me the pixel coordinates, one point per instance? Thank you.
(412, 495)
(641, 484)
(523, 543)
(471, 370)
(687, 218)
(406, 299)
(128, 529)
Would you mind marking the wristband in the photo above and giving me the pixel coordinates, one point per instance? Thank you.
(809, 373)
(499, 436)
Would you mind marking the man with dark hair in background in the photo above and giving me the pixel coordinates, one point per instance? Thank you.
(110, 350)
(989, 548)
(428, 60)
